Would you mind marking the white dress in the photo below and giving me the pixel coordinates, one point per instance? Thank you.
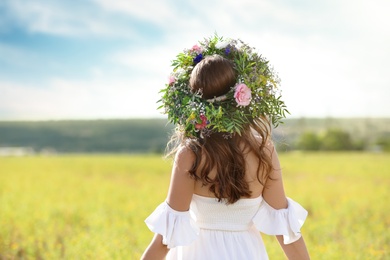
(216, 230)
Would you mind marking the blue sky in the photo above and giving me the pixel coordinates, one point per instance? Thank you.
(108, 59)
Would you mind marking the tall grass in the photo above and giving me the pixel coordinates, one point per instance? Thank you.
(93, 207)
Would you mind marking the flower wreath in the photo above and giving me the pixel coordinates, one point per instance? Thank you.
(254, 95)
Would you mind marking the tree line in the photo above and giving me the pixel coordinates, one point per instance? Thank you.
(330, 140)
(88, 136)
(151, 135)
(335, 134)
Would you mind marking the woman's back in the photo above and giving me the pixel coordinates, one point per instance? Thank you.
(251, 174)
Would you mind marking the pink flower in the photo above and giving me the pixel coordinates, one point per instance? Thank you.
(171, 80)
(203, 124)
(242, 94)
(196, 49)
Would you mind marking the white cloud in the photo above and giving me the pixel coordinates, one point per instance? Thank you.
(63, 18)
(68, 99)
(152, 61)
(151, 11)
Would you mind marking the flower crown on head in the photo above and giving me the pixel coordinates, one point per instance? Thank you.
(254, 95)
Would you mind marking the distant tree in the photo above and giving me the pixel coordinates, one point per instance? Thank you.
(336, 140)
(309, 141)
(384, 143)
(359, 145)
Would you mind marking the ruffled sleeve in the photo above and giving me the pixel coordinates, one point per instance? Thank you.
(286, 222)
(177, 228)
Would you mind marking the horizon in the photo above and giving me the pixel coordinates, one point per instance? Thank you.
(103, 59)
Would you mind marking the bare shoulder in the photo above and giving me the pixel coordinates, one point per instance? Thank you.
(184, 156)
(273, 192)
(182, 184)
(269, 147)
(269, 150)
(183, 163)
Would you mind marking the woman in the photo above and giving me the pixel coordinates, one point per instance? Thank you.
(226, 182)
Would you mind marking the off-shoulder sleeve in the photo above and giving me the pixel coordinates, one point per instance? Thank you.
(177, 228)
(286, 222)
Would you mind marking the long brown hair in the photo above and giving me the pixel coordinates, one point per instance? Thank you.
(214, 76)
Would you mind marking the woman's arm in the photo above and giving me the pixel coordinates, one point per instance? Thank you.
(296, 250)
(274, 195)
(179, 198)
(156, 249)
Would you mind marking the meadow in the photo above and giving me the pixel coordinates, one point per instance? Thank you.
(93, 206)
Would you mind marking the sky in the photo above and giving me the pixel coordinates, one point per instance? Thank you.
(104, 59)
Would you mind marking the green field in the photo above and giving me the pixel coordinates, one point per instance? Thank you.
(93, 206)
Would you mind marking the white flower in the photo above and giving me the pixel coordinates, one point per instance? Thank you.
(179, 72)
(222, 45)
